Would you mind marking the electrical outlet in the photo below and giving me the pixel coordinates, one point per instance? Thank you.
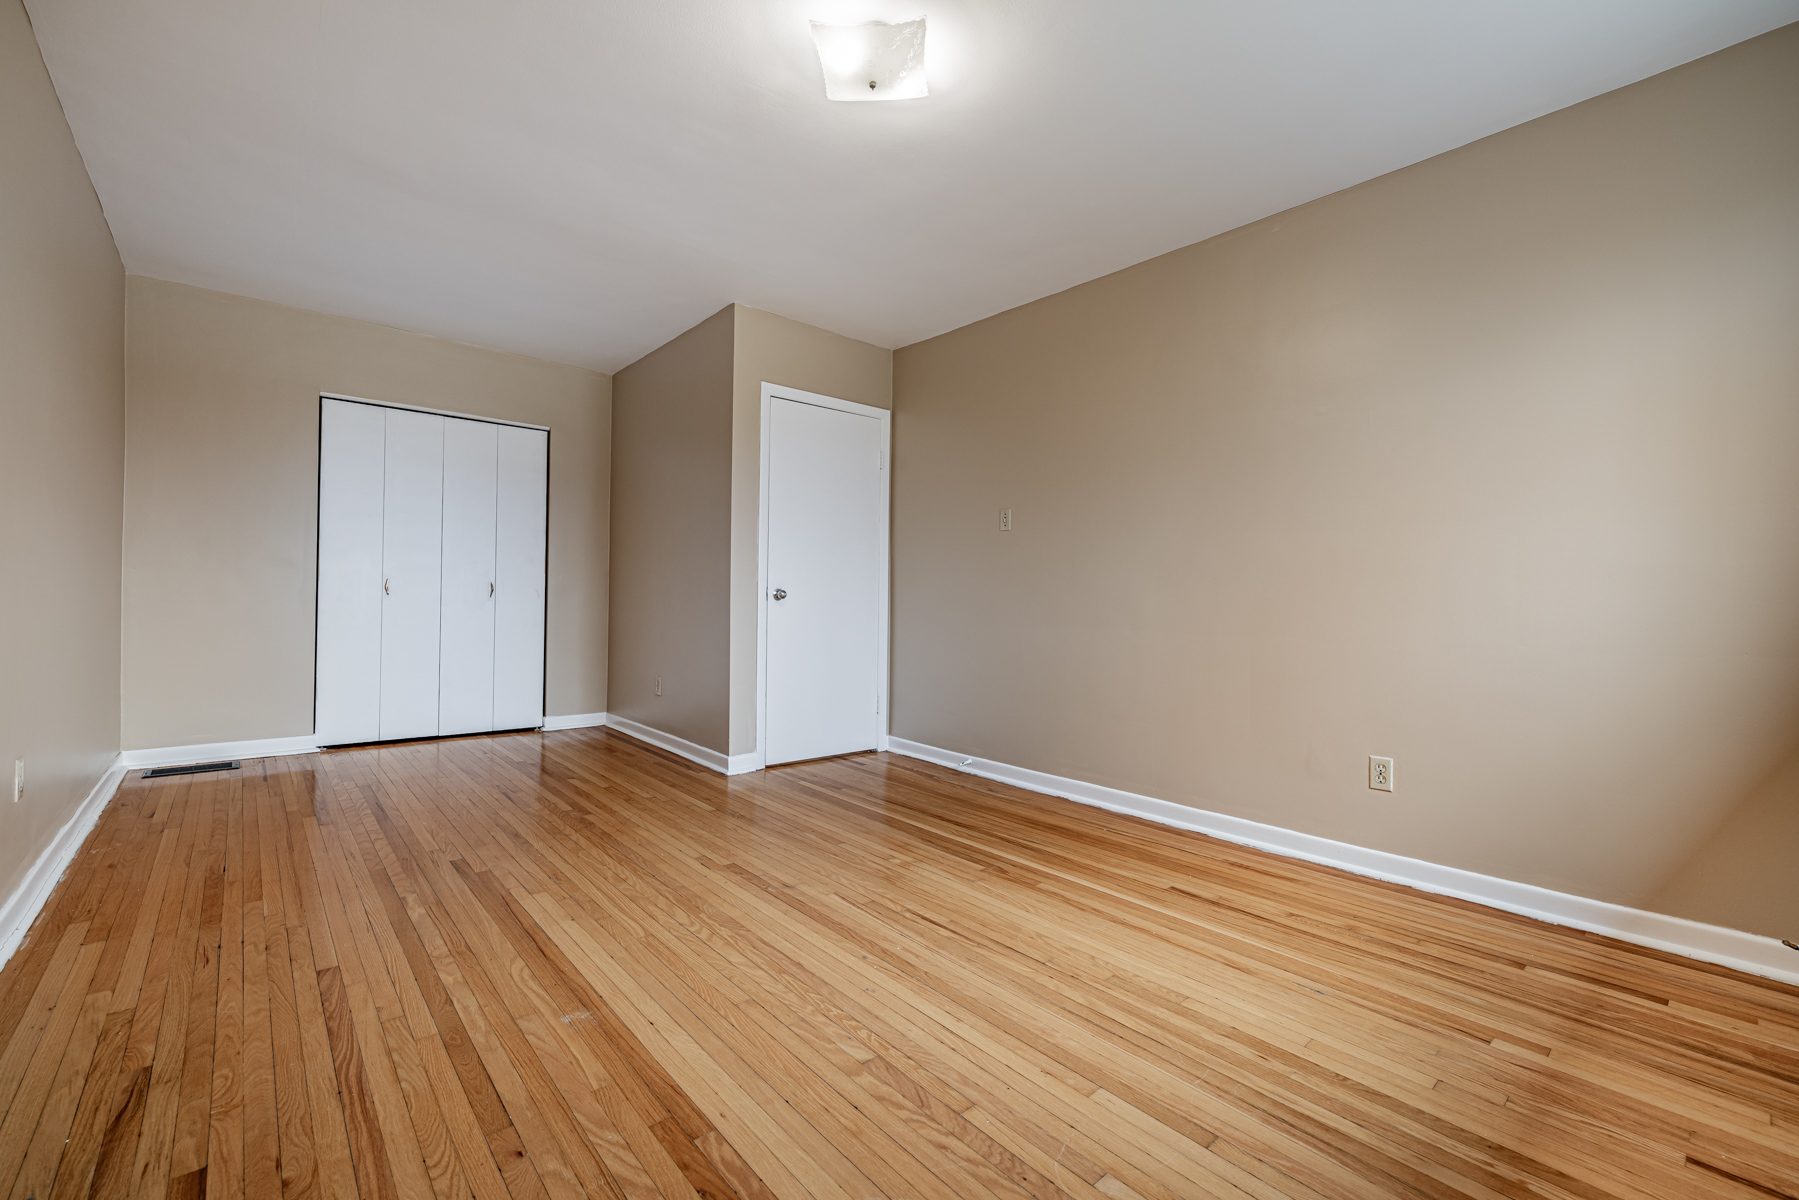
(18, 780)
(1380, 774)
(658, 685)
(1005, 519)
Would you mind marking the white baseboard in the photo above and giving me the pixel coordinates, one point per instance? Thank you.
(724, 764)
(1709, 943)
(22, 907)
(175, 756)
(574, 721)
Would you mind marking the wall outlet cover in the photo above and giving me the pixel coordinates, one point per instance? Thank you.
(1380, 773)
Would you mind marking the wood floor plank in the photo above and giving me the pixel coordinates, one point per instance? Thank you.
(180, 966)
(568, 965)
(368, 1149)
(34, 1084)
(22, 1050)
(194, 1115)
(474, 1153)
(260, 1115)
(225, 1128)
(118, 1143)
(37, 1170)
(74, 1169)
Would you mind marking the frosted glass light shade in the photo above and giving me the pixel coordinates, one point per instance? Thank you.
(874, 61)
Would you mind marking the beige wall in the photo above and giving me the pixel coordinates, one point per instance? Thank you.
(62, 412)
(221, 501)
(671, 535)
(687, 446)
(1490, 465)
(771, 349)
(1746, 874)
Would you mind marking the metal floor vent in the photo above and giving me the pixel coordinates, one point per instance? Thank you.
(191, 769)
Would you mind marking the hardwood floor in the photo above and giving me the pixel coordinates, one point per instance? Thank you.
(566, 965)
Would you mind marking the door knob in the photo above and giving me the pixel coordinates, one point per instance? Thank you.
(780, 593)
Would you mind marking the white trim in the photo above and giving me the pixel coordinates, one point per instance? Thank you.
(172, 756)
(732, 764)
(436, 412)
(574, 721)
(1732, 948)
(883, 555)
(22, 907)
(175, 756)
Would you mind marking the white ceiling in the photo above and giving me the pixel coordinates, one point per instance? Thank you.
(583, 181)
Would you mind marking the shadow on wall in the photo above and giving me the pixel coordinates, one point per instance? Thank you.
(1746, 874)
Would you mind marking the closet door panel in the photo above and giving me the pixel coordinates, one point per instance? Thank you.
(351, 470)
(465, 689)
(523, 519)
(412, 563)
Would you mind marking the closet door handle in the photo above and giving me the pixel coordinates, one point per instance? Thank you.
(384, 587)
(490, 589)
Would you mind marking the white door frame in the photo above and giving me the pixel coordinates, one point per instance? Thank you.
(772, 391)
(436, 412)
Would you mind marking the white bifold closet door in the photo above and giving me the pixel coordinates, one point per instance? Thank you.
(431, 574)
(471, 487)
(411, 573)
(352, 439)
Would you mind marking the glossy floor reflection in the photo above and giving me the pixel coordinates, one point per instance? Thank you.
(569, 965)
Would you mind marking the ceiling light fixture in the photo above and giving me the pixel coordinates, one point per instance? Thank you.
(872, 61)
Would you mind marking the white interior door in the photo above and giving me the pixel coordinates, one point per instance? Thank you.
(523, 526)
(824, 633)
(466, 657)
(412, 566)
(351, 469)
